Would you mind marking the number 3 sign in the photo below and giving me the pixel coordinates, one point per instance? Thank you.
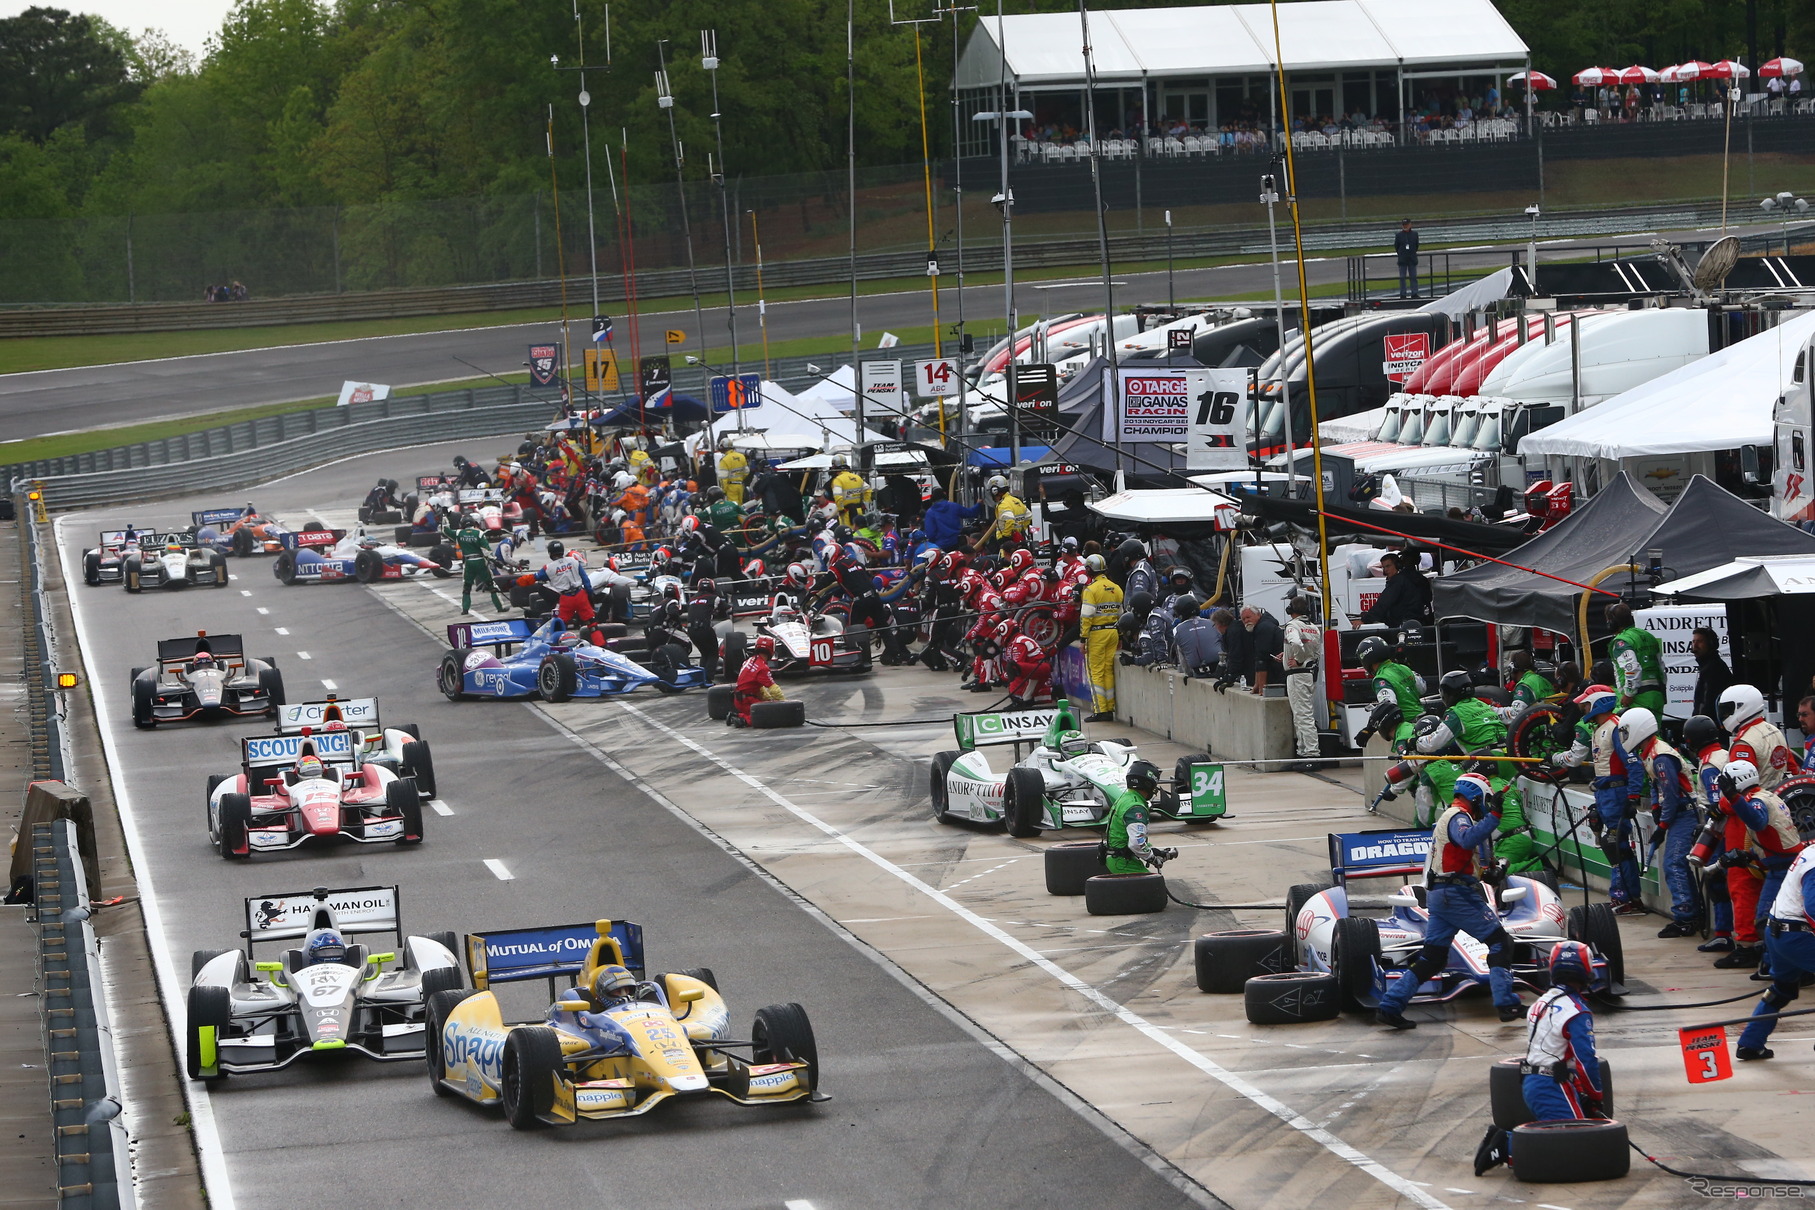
(1705, 1056)
(936, 378)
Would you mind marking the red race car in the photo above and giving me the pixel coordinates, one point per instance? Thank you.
(312, 786)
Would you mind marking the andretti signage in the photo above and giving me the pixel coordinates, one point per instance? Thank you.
(1153, 405)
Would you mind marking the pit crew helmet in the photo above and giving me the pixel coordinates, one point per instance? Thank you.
(1187, 606)
(1372, 651)
(612, 983)
(1637, 725)
(325, 946)
(1474, 789)
(1699, 732)
(690, 525)
(1741, 775)
(799, 575)
(996, 486)
(1144, 777)
(556, 548)
(705, 586)
(755, 569)
(1094, 564)
(1179, 578)
(1132, 548)
(764, 646)
(1456, 686)
(1571, 962)
(1006, 630)
(1601, 699)
(1021, 561)
(1739, 705)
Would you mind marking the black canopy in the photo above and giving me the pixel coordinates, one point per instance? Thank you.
(1358, 523)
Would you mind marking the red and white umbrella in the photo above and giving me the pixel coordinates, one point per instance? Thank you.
(1781, 67)
(1638, 75)
(1539, 81)
(1594, 77)
(1694, 69)
(1727, 69)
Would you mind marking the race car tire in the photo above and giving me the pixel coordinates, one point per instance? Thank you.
(439, 1005)
(1225, 961)
(1798, 794)
(666, 662)
(209, 1007)
(771, 716)
(1296, 898)
(445, 558)
(1354, 954)
(942, 799)
(419, 763)
(401, 535)
(268, 660)
(1181, 786)
(91, 568)
(241, 542)
(201, 958)
(1596, 924)
(401, 798)
(284, 567)
(1548, 877)
(214, 781)
(703, 974)
(134, 675)
(1506, 1092)
(1124, 894)
(1532, 736)
(532, 1057)
(1290, 998)
(364, 514)
(719, 701)
(1069, 867)
(450, 678)
(782, 1034)
(236, 817)
(368, 567)
(413, 730)
(271, 683)
(143, 696)
(1570, 1151)
(612, 630)
(733, 652)
(218, 564)
(1041, 624)
(1024, 802)
(442, 979)
(558, 677)
(859, 637)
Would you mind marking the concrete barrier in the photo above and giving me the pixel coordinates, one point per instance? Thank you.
(1233, 726)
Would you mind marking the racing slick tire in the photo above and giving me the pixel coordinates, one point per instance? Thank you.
(368, 567)
(612, 630)
(1532, 735)
(419, 764)
(733, 652)
(401, 798)
(271, 684)
(442, 979)
(214, 781)
(1506, 1092)
(1296, 898)
(1041, 624)
(782, 1034)
(1354, 954)
(1596, 924)
(1181, 786)
(532, 1058)
(1290, 998)
(445, 557)
(210, 1012)
(666, 663)
(1798, 794)
(718, 702)
(439, 1005)
(770, 716)
(236, 817)
(1124, 894)
(942, 799)
(201, 958)
(1068, 866)
(143, 695)
(284, 567)
(450, 678)
(1227, 960)
(449, 941)
(1024, 802)
(703, 974)
(91, 567)
(413, 730)
(1569, 1151)
(241, 542)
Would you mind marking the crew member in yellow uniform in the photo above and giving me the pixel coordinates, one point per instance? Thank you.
(850, 494)
(733, 469)
(1102, 608)
(1012, 516)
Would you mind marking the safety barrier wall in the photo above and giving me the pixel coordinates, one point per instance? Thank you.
(1231, 726)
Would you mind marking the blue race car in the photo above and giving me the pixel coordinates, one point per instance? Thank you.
(513, 658)
(332, 554)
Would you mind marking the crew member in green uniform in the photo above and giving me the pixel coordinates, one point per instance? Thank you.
(1395, 687)
(475, 552)
(1125, 838)
(1513, 843)
(1470, 726)
(725, 515)
(1532, 681)
(1638, 661)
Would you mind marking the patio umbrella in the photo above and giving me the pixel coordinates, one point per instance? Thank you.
(1727, 69)
(1638, 75)
(1539, 81)
(1781, 67)
(1594, 77)
(1694, 69)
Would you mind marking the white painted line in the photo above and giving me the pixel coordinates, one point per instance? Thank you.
(262, 609)
(303, 655)
(798, 1203)
(245, 592)
(281, 629)
(497, 867)
(1229, 1079)
(327, 684)
(440, 808)
(233, 575)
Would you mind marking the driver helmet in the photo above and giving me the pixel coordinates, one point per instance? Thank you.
(1073, 743)
(334, 724)
(308, 766)
(611, 984)
(567, 638)
(173, 545)
(201, 661)
(325, 946)
(764, 646)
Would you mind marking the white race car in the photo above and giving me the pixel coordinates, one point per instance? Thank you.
(1066, 779)
(401, 749)
(329, 993)
(208, 676)
(804, 643)
(275, 804)
(178, 563)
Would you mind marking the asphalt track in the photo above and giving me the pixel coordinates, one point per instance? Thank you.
(39, 402)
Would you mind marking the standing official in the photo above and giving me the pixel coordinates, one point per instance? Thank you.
(1101, 610)
(1303, 649)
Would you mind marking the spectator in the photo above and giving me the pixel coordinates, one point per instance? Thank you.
(1406, 596)
(1405, 246)
(1254, 649)
(1712, 676)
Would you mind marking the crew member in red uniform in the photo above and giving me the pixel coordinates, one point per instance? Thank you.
(566, 574)
(1029, 664)
(755, 683)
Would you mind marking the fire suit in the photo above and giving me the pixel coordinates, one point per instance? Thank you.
(1102, 607)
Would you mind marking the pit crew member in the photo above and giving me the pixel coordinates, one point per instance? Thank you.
(1102, 607)
(1638, 661)
(1126, 846)
(1027, 663)
(475, 561)
(1790, 938)
(1672, 810)
(566, 575)
(754, 682)
(1618, 782)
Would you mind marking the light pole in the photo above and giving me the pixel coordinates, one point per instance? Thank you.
(709, 61)
(1783, 204)
(1269, 193)
(585, 99)
(1531, 249)
(1004, 201)
(1171, 298)
(664, 99)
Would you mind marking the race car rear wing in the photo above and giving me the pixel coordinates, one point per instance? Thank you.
(311, 537)
(227, 648)
(281, 751)
(1382, 853)
(288, 915)
(113, 539)
(983, 729)
(360, 713)
(490, 634)
(518, 955)
(216, 516)
(479, 495)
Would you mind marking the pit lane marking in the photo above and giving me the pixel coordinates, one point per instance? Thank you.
(245, 592)
(1097, 998)
(498, 868)
(327, 684)
(303, 655)
(798, 1203)
(262, 609)
(281, 629)
(439, 807)
(991, 870)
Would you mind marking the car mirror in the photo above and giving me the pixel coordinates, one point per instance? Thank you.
(1512, 894)
(381, 959)
(1403, 899)
(572, 1006)
(690, 995)
(268, 966)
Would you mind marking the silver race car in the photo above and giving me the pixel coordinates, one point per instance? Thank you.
(209, 676)
(401, 749)
(177, 563)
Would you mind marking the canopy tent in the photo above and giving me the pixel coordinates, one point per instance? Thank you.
(786, 422)
(1705, 528)
(1355, 523)
(1745, 579)
(1134, 45)
(1186, 514)
(839, 388)
(1719, 402)
(672, 407)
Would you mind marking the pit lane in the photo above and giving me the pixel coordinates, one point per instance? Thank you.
(629, 807)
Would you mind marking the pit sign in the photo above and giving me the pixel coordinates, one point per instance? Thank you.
(937, 378)
(1153, 406)
(1218, 438)
(1405, 352)
(1705, 1056)
(882, 385)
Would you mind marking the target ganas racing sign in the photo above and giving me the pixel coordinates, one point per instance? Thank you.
(1151, 405)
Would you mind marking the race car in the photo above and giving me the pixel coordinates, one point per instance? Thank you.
(330, 555)
(515, 657)
(804, 643)
(176, 563)
(208, 676)
(276, 802)
(400, 749)
(237, 531)
(615, 1055)
(105, 561)
(329, 993)
(1363, 952)
(1065, 780)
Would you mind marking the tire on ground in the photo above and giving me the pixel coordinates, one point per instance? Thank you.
(1291, 998)
(1069, 867)
(719, 700)
(558, 676)
(1355, 952)
(1125, 894)
(770, 716)
(1506, 1092)
(1571, 1151)
(532, 1056)
(1024, 802)
(1227, 960)
(210, 1007)
(450, 678)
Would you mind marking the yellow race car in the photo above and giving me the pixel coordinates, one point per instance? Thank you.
(615, 1043)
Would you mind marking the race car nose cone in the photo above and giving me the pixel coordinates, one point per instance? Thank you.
(687, 1083)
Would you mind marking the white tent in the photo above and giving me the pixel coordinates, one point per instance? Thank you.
(1158, 506)
(1719, 402)
(839, 388)
(786, 422)
(1745, 578)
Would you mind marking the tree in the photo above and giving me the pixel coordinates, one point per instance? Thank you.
(57, 68)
